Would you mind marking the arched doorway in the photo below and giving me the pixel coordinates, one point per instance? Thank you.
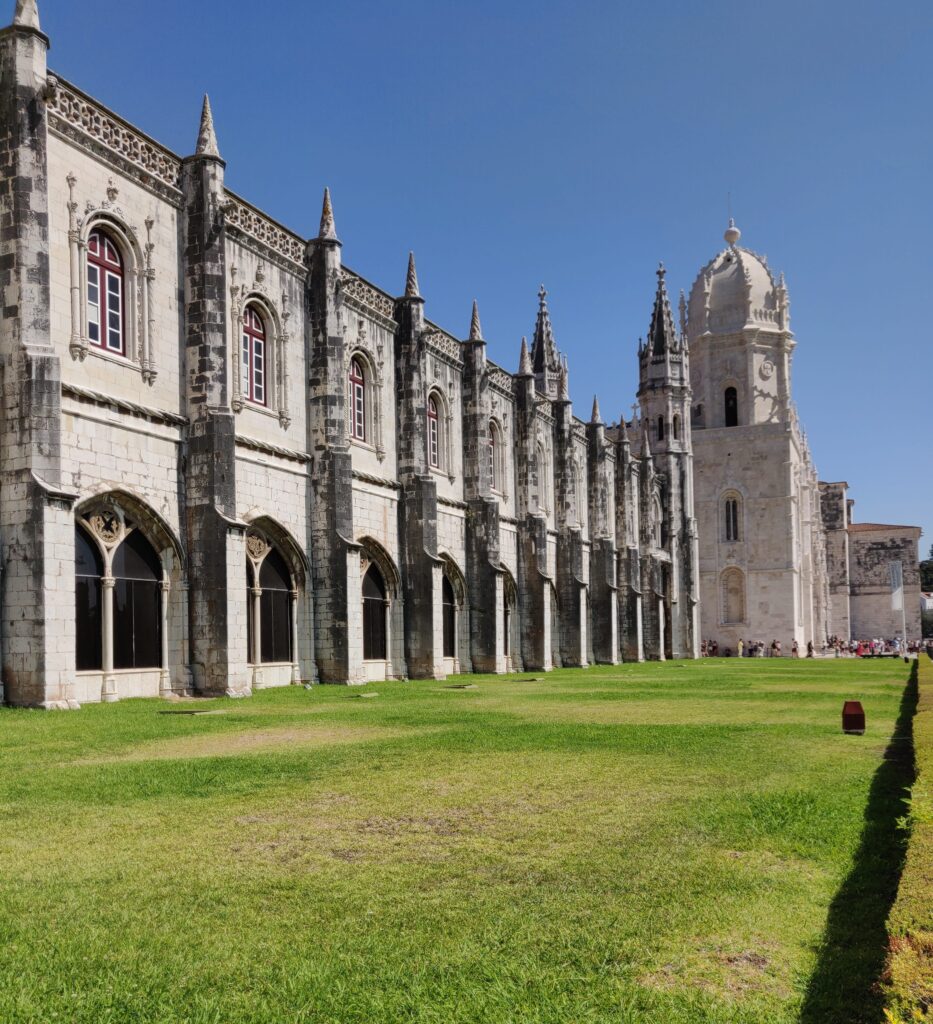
(272, 612)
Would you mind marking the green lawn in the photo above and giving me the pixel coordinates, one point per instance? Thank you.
(673, 843)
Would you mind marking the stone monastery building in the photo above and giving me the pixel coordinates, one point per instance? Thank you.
(228, 461)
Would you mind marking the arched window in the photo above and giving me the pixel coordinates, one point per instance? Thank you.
(449, 609)
(733, 596)
(434, 435)
(89, 568)
(137, 604)
(357, 401)
(493, 450)
(253, 356)
(676, 428)
(660, 428)
(731, 516)
(106, 314)
(731, 399)
(374, 615)
(543, 490)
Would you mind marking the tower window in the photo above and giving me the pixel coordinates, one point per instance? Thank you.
(675, 423)
(731, 508)
(434, 439)
(357, 401)
(253, 356)
(731, 399)
(660, 428)
(105, 294)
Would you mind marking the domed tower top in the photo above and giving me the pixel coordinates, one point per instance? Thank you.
(736, 289)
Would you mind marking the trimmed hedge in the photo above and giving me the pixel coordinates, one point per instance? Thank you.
(910, 925)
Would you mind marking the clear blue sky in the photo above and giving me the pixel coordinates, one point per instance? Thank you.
(576, 144)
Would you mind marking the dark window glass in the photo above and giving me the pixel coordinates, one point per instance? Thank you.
(275, 634)
(450, 618)
(732, 407)
(374, 615)
(137, 604)
(676, 424)
(88, 615)
(660, 428)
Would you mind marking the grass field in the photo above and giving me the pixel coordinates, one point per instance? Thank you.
(681, 843)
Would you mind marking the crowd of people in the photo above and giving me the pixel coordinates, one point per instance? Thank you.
(877, 647)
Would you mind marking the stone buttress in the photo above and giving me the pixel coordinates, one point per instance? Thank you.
(604, 616)
(215, 538)
(335, 561)
(628, 575)
(485, 578)
(36, 525)
(420, 566)
(534, 583)
(571, 585)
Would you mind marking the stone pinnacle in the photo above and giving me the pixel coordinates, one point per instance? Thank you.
(476, 331)
(27, 14)
(524, 361)
(207, 139)
(411, 282)
(328, 230)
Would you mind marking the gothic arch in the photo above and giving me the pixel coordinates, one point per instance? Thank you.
(155, 529)
(284, 541)
(373, 551)
(445, 417)
(732, 595)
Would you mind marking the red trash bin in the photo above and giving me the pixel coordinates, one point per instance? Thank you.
(853, 717)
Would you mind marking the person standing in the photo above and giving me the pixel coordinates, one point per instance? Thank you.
(741, 646)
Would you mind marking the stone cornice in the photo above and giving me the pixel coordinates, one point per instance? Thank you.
(122, 405)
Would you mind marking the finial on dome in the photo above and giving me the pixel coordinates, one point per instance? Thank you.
(27, 14)
(732, 233)
(207, 137)
(411, 281)
(476, 332)
(328, 229)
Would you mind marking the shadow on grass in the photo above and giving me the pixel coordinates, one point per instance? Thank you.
(845, 986)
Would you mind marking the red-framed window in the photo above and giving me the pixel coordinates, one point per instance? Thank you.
(253, 355)
(106, 306)
(357, 401)
(434, 447)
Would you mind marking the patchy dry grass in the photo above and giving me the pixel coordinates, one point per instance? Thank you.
(632, 844)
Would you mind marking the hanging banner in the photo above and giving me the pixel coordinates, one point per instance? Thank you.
(897, 586)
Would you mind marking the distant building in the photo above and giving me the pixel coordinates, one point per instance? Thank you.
(779, 556)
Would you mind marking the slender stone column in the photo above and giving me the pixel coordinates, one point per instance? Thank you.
(165, 680)
(293, 609)
(256, 652)
(108, 691)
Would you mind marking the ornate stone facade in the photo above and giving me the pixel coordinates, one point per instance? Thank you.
(778, 553)
(231, 462)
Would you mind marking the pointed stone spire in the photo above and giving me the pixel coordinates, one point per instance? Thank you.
(411, 282)
(543, 347)
(563, 383)
(27, 14)
(524, 361)
(661, 335)
(645, 442)
(683, 314)
(476, 331)
(207, 139)
(328, 230)
(623, 430)
(594, 416)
